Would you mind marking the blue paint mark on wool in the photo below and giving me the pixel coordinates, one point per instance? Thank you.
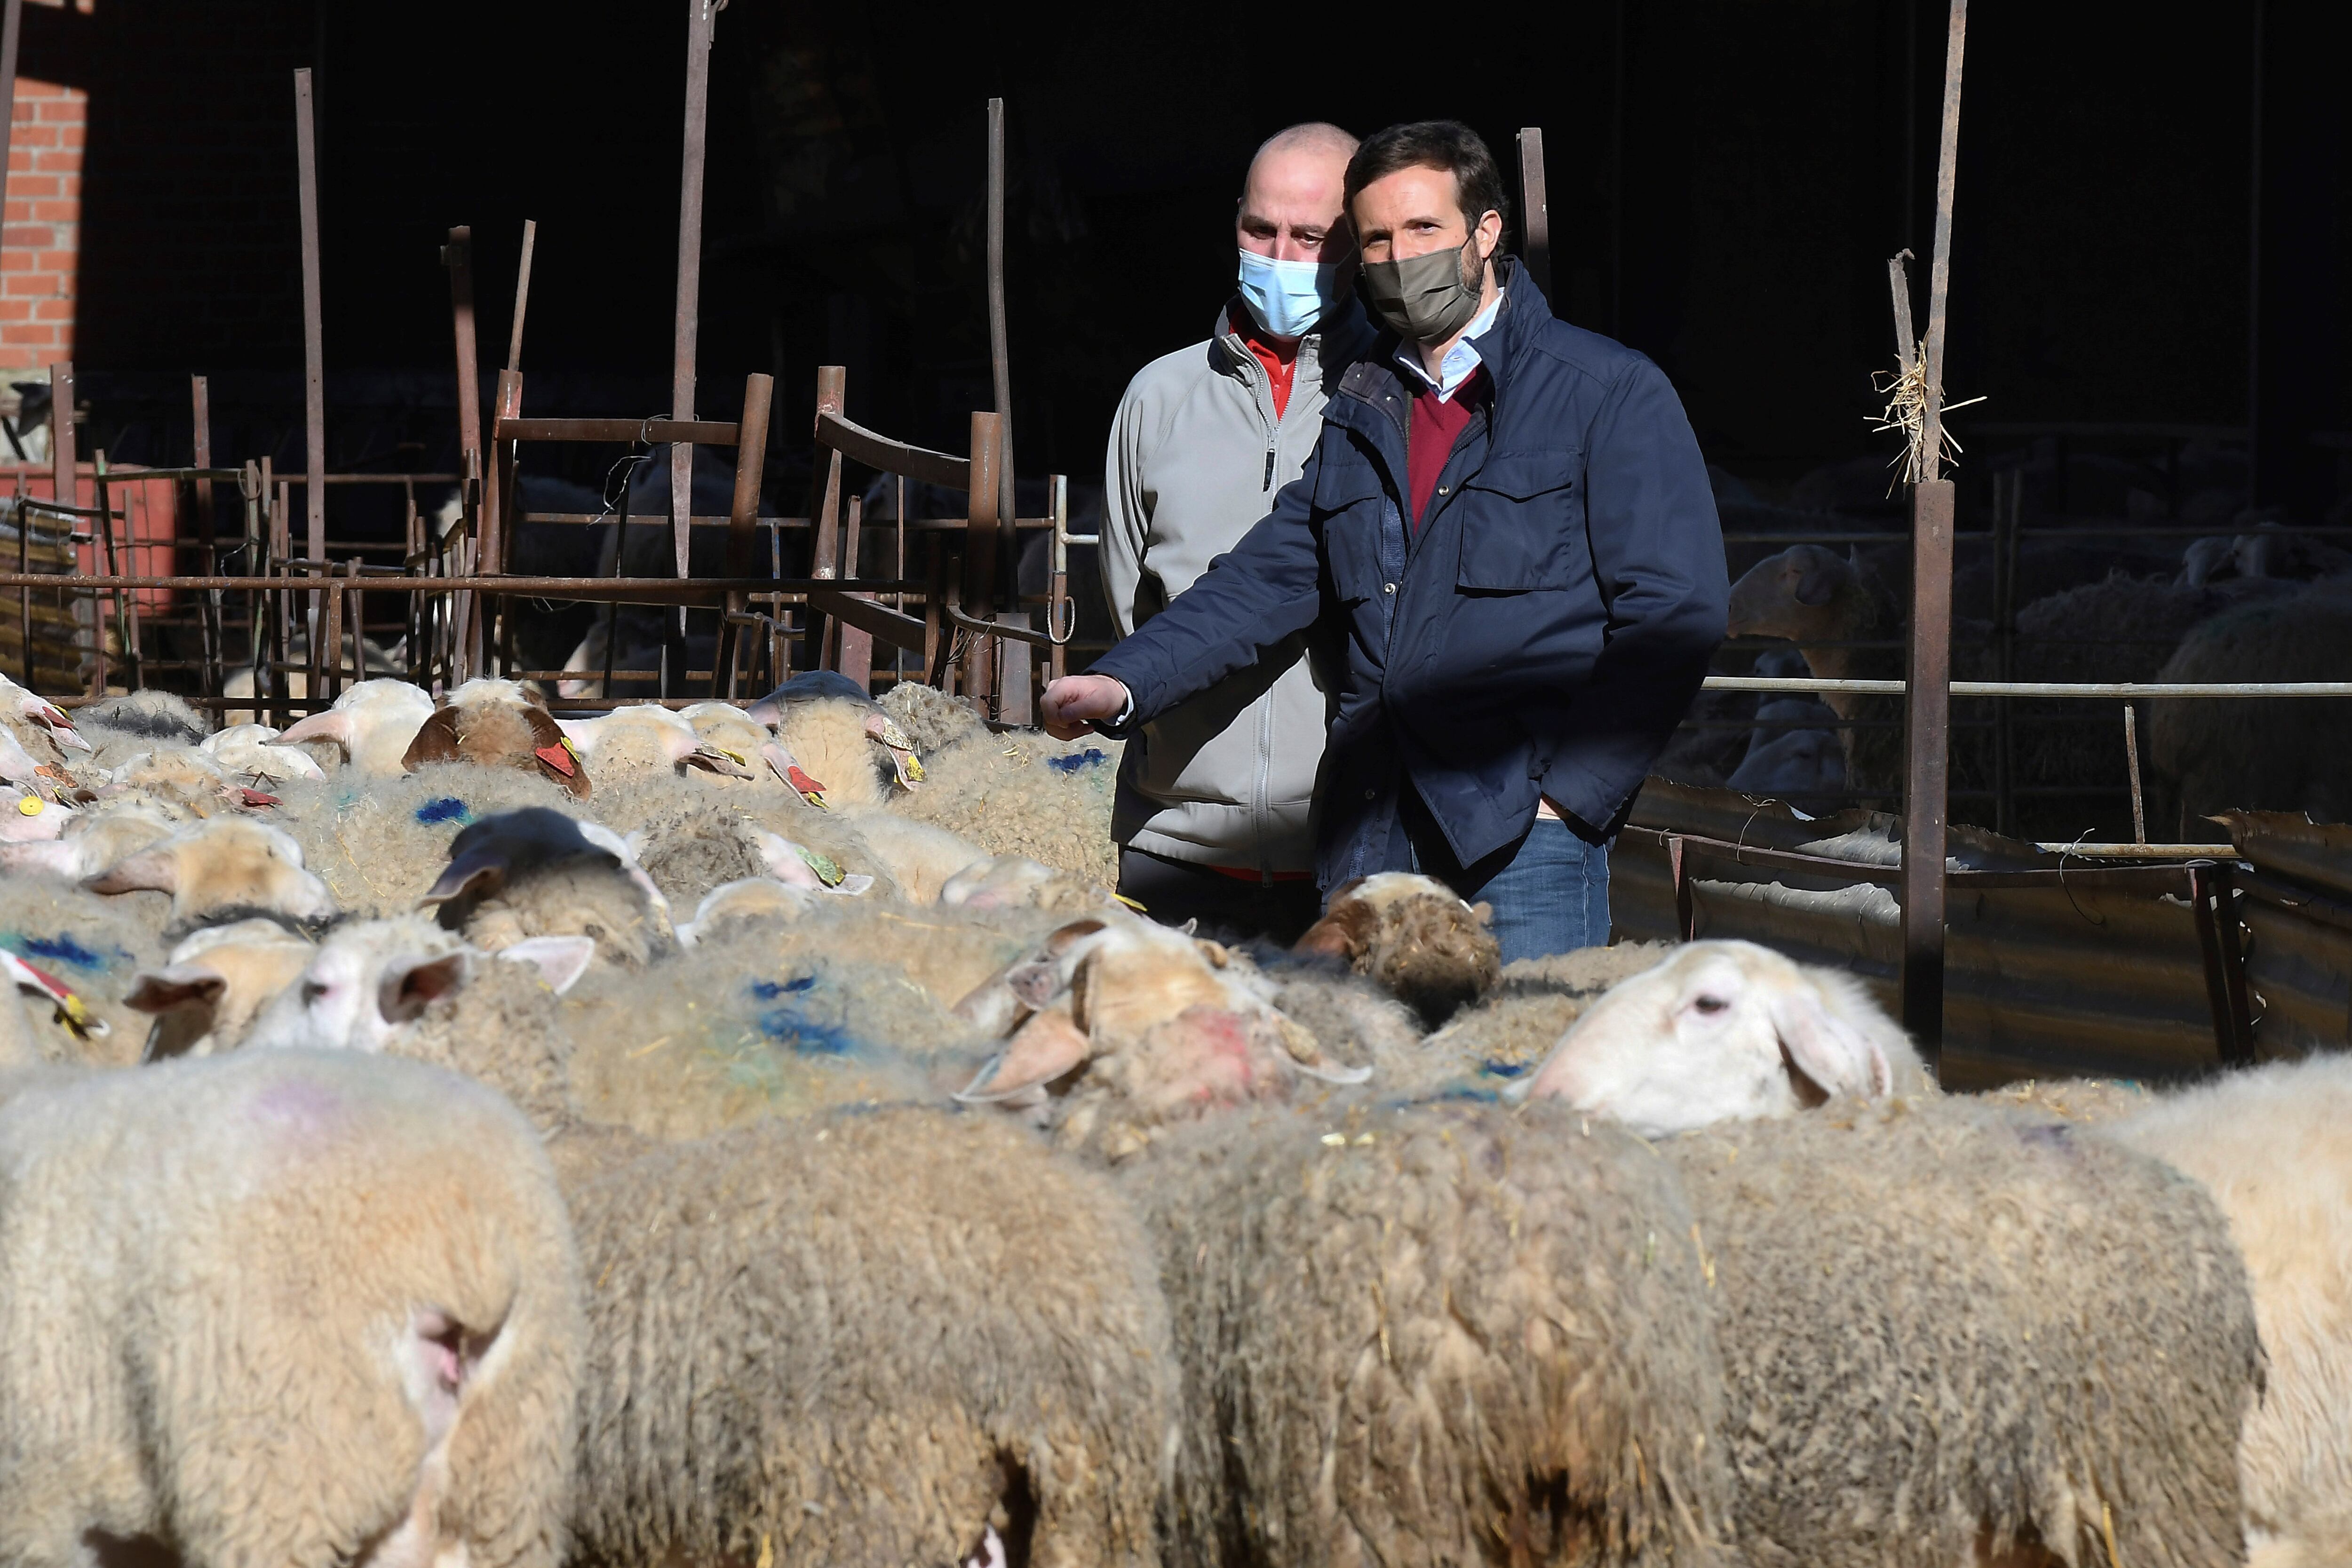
(1503, 1069)
(1089, 758)
(768, 990)
(62, 950)
(805, 1034)
(444, 808)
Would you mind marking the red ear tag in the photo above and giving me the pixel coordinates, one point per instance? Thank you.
(557, 756)
(802, 783)
(58, 989)
(256, 798)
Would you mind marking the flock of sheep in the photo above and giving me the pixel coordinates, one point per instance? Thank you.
(2232, 613)
(443, 1132)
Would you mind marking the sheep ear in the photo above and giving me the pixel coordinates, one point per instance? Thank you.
(485, 864)
(1042, 1049)
(332, 725)
(1827, 1049)
(436, 742)
(560, 960)
(767, 711)
(1344, 933)
(408, 988)
(150, 870)
(176, 986)
(1036, 984)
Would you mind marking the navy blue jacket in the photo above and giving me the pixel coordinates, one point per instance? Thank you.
(1540, 634)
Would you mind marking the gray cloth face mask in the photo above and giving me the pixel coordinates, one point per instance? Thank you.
(1422, 298)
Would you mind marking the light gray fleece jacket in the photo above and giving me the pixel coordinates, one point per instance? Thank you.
(1196, 455)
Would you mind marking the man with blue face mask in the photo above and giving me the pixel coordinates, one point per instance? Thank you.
(1506, 549)
(1216, 793)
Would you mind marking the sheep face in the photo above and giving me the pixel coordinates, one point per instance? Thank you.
(1792, 594)
(364, 985)
(215, 984)
(1722, 1031)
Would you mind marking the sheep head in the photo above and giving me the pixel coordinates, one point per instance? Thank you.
(1804, 593)
(226, 863)
(1726, 1031)
(1413, 936)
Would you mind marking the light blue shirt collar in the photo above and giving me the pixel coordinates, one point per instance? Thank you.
(1459, 360)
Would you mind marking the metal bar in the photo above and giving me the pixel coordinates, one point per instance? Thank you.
(650, 590)
(457, 256)
(1678, 869)
(856, 442)
(857, 660)
(2094, 689)
(1927, 762)
(2131, 759)
(327, 663)
(686, 325)
(2007, 505)
(314, 385)
(2213, 905)
(1535, 212)
(979, 588)
(65, 487)
(209, 681)
(868, 615)
(11, 30)
(999, 351)
(623, 432)
(522, 295)
(743, 516)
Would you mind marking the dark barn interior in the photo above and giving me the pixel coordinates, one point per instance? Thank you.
(2148, 288)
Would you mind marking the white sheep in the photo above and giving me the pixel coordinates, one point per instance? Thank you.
(645, 737)
(250, 752)
(499, 724)
(213, 983)
(2274, 1147)
(369, 981)
(372, 721)
(1722, 1031)
(289, 1308)
(228, 863)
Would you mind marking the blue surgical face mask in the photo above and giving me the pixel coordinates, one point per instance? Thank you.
(1286, 297)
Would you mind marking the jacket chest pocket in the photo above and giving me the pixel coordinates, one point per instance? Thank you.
(1523, 523)
(1352, 505)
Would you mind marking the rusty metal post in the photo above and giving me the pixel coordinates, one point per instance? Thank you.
(457, 256)
(12, 19)
(999, 350)
(522, 295)
(856, 656)
(742, 522)
(208, 609)
(1535, 214)
(1927, 729)
(824, 511)
(979, 597)
(314, 386)
(699, 15)
(65, 488)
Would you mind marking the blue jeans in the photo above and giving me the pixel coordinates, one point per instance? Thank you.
(1549, 892)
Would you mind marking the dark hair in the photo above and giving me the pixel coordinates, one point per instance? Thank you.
(1445, 145)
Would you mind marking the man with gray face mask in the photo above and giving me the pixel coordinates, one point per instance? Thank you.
(1215, 792)
(1506, 549)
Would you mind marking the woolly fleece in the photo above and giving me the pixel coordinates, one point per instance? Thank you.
(1945, 1325)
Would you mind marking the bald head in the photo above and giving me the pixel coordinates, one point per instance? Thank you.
(1292, 199)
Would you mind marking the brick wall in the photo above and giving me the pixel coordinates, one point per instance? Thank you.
(40, 234)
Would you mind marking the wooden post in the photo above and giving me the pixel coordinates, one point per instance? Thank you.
(314, 386)
(1926, 773)
(686, 324)
(1535, 212)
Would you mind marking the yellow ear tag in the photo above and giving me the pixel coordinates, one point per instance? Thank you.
(737, 758)
(30, 805)
(1130, 903)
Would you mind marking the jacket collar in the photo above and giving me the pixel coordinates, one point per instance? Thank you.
(1373, 377)
(1342, 335)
